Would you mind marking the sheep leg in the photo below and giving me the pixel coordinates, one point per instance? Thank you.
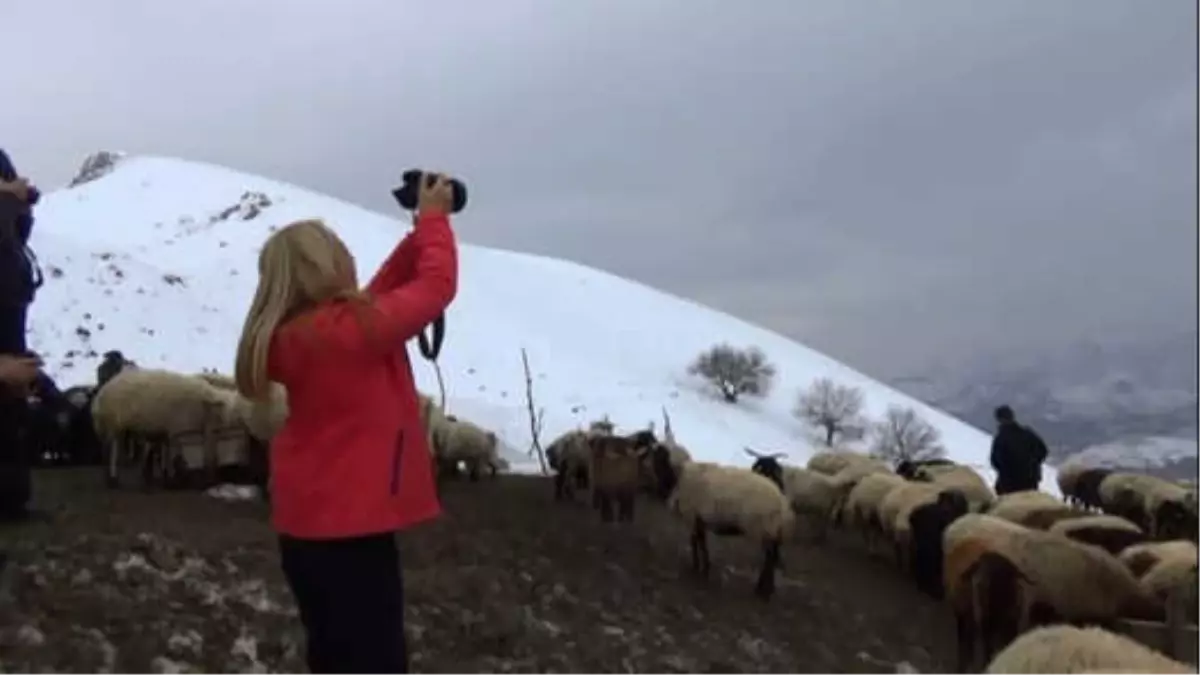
(603, 500)
(701, 564)
(473, 471)
(111, 478)
(965, 634)
(765, 587)
(625, 505)
(560, 480)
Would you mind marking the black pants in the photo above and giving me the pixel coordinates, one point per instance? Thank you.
(15, 480)
(351, 600)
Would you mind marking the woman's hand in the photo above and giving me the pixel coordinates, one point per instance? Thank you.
(436, 198)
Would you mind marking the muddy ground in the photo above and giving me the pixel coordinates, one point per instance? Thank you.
(129, 581)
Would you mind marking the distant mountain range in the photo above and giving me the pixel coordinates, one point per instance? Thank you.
(1121, 404)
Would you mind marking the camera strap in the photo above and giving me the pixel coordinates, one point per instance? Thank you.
(430, 348)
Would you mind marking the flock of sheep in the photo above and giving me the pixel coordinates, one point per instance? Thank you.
(1036, 584)
(142, 413)
(1017, 570)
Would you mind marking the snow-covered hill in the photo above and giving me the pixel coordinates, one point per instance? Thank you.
(1150, 452)
(157, 257)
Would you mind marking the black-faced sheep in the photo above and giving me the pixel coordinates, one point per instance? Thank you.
(568, 458)
(810, 493)
(114, 362)
(927, 524)
(908, 467)
(727, 501)
(1051, 578)
(1068, 649)
(616, 471)
(1068, 480)
(1086, 490)
(1111, 533)
(1164, 509)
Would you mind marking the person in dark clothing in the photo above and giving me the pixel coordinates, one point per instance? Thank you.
(1017, 454)
(19, 280)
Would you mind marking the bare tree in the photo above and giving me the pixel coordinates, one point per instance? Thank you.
(735, 371)
(535, 418)
(834, 409)
(903, 435)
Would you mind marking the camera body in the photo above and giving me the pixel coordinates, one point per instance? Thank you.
(406, 194)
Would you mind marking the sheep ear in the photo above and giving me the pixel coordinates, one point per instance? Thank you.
(753, 453)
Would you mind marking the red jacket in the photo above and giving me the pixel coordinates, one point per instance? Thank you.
(351, 459)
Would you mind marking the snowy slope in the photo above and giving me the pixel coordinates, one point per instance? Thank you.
(158, 258)
(1139, 452)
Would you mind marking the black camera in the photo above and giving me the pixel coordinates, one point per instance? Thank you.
(406, 194)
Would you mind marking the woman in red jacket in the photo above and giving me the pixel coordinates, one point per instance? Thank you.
(350, 466)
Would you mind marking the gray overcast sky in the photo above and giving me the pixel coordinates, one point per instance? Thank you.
(893, 182)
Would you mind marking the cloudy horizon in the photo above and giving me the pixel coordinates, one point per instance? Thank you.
(895, 184)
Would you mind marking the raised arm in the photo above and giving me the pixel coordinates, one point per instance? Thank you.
(412, 303)
(398, 268)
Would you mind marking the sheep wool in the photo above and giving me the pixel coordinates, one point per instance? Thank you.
(1033, 509)
(897, 504)
(463, 441)
(1111, 533)
(1139, 558)
(832, 461)
(1067, 649)
(812, 494)
(1174, 572)
(1068, 478)
(1079, 581)
(862, 504)
(733, 498)
(962, 478)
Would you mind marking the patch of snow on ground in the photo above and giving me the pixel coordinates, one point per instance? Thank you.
(158, 258)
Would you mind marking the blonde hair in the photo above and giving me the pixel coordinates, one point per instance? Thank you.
(299, 267)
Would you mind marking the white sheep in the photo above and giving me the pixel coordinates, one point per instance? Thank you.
(1033, 509)
(832, 461)
(727, 501)
(1068, 649)
(1111, 533)
(962, 478)
(861, 508)
(155, 403)
(1068, 479)
(1139, 558)
(1174, 571)
(1023, 569)
(462, 441)
(812, 494)
(1163, 508)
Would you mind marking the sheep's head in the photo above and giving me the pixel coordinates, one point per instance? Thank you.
(604, 426)
(665, 474)
(767, 465)
(1177, 519)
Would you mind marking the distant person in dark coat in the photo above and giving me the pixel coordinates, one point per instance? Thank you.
(1017, 454)
(19, 280)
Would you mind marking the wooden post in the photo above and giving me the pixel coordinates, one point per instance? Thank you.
(535, 419)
